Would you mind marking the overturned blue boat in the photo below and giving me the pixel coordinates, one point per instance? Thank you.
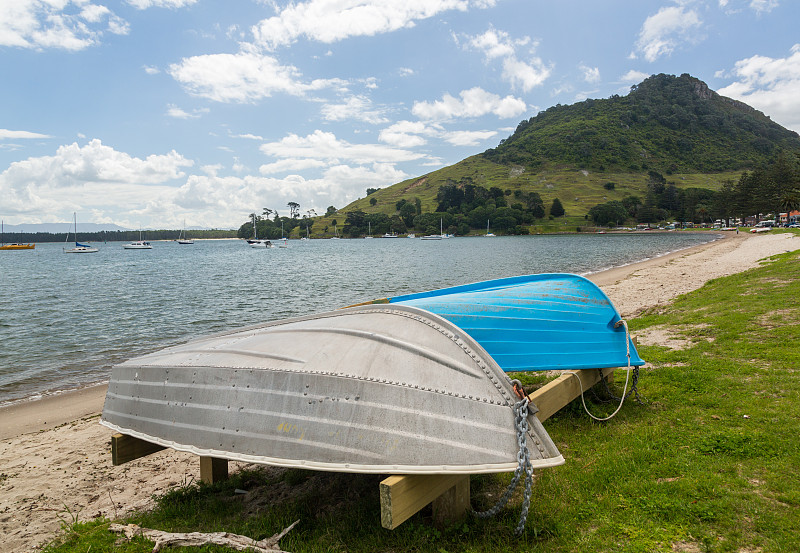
(414, 384)
(535, 322)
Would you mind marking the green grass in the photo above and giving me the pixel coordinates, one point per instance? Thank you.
(710, 462)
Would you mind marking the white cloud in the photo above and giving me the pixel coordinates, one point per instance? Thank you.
(474, 102)
(227, 200)
(97, 174)
(468, 138)
(634, 76)
(590, 74)
(325, 146)
(525, 75)
(178, 113)
(249, 136)
(5, 133)
(406, 134)
(358, 108)
(495, 44)
(66, 24)
(243, 77)
(763, 6)
(663, 32)
(522, 74)
(329, 21)
(771, 85)
(151, 70)
(289, 165)
(173, 4)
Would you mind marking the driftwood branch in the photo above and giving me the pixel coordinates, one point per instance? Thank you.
(235, 541)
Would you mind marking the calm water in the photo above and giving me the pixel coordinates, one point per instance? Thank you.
(66, 319)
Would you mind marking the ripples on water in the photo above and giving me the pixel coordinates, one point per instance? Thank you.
(66, 319)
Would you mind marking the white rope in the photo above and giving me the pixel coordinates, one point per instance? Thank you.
(627, 377)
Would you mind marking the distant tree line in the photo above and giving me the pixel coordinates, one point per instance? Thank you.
(772, 189)
(272, 226)
(116, 236)
(461, 208)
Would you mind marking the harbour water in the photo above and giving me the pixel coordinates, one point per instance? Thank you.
(65, 319)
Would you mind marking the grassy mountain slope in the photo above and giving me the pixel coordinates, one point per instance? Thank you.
(675, 126)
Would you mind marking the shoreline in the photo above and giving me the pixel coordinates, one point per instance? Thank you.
(56, 458)
(10, 408)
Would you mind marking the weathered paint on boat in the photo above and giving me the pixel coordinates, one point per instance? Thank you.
(535, 322)
(375, 389)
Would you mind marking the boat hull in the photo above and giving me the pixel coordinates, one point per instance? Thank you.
(372, 389)
(535, 322)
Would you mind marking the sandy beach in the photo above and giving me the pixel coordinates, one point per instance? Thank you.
(55, 458)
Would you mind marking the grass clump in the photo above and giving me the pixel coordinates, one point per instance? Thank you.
(710, 462)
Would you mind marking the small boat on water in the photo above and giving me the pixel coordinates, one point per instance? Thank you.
(414, 384)
(182, 238)
(79, 248)
(14, 246)
(139, 244)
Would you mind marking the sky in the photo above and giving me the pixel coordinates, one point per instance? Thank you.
(165, 113)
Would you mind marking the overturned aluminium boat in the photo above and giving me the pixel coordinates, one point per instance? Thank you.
(396, 387)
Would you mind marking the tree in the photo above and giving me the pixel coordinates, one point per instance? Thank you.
(557, 210)
(372, 190)
(331, 210)
(609, 214)
(632, 204)
(407, 213)
(294, 209)
(373, 201)
(789, 202)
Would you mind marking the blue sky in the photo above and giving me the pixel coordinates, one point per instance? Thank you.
(154, 112)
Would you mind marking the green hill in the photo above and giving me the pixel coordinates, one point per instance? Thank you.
(667, 124)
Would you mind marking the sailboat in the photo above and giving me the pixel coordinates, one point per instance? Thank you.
(12, 247)
(335, 233)
(285, 240)
(79, 248)
(487, 229)
(254, 241)
(436, 236)
(182, 239)
(138, 244)
(369, 232)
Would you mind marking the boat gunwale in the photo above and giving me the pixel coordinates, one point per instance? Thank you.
(337, 467)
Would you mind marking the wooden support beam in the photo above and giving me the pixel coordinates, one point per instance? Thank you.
(452, 505)
(403, 495)
(556, 394)
(213, 469)
(126, 448)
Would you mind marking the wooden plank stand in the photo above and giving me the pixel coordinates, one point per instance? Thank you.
(402, 496)
(126, 448)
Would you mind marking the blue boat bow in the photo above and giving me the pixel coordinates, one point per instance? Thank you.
(535, 322)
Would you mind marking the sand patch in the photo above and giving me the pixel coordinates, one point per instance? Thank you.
(677, 337)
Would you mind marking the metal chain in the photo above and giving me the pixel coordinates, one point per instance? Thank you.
(634, 389)
(524, 466)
